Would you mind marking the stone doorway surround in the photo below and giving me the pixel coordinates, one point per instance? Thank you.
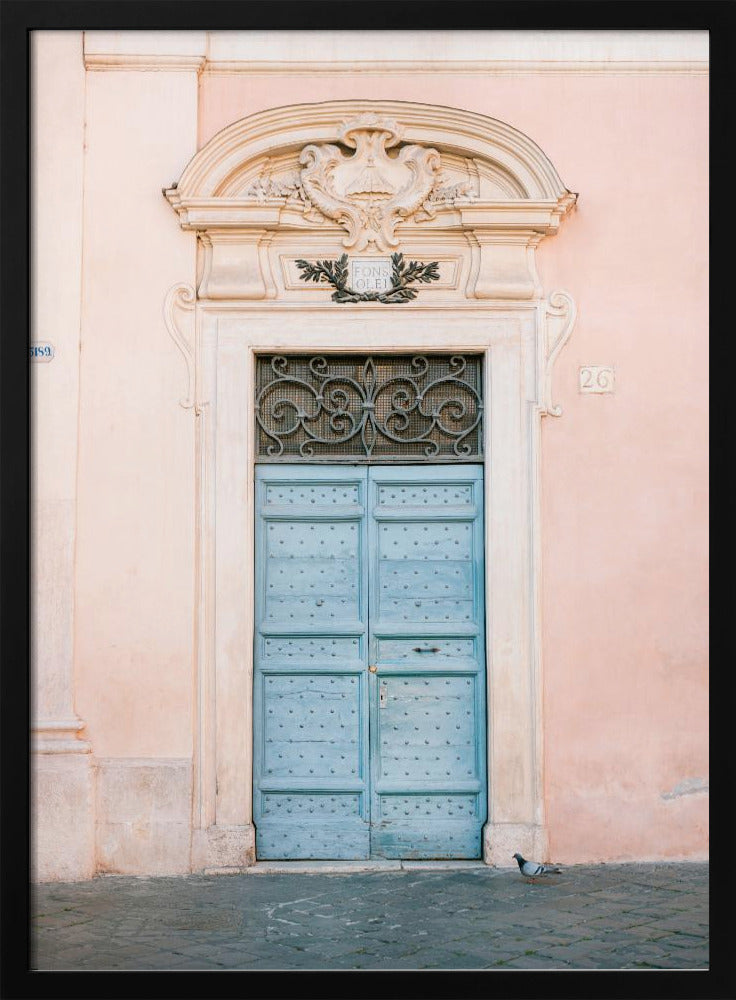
(367, 178)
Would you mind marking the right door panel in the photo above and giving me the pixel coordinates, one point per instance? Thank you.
(426, 640)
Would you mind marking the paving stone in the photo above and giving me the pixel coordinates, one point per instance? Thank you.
(534, 962)
(440, 958)
(680, 940)
(690, 959)
(623, 916)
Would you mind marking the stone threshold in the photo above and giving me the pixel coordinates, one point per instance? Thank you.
(351, 867)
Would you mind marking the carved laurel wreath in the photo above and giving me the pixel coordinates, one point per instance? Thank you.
(403, 274)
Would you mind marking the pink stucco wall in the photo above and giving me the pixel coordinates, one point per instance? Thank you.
(624, 514)
(134, 554)
(624, 493)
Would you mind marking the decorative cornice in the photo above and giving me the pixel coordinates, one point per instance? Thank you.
(170, 63)
(339, 53)
(490, 67)
(173, 62)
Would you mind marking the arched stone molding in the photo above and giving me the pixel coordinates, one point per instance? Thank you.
(490, 195)
(232, 156)
(475, 195)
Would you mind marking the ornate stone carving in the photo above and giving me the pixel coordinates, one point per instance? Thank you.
(448, 189)
(287, 186)
(445, 193)
(451, 193)
(265, 186)
(368, 192)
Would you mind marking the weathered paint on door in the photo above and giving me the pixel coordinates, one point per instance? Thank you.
(311, 680)
(427, 699)
(360, 568)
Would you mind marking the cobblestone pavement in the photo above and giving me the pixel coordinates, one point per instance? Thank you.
(642, 916)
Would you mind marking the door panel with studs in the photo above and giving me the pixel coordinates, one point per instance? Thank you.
(427, 746)
(369, 701)
(310, 683)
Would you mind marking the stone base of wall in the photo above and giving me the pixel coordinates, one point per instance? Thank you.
(124, 816)
(502, 840)
(223, 848)
(143, 823)
(62, 829)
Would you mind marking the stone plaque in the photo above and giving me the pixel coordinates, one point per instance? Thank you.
(597, 378)
(370, 274)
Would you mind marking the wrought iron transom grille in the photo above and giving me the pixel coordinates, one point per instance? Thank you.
(377, 408)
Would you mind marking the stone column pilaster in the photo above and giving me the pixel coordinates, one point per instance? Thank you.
(62, 776)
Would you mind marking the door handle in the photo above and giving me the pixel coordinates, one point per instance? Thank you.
(426, 649)
(373, 668)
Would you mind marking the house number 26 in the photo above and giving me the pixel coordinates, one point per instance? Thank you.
(596, 378)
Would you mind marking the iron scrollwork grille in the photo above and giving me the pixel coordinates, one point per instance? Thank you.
(381, 408)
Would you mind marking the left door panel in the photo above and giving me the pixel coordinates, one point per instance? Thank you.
(310, 679)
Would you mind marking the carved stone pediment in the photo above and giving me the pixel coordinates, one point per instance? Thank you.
(359, 176)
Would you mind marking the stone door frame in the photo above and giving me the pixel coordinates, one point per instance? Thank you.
(489, 196)
(228, 342)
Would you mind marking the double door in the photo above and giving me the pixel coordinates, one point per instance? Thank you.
(369, 683)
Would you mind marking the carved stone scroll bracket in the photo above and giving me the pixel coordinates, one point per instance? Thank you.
(182, 297)
(560, 315)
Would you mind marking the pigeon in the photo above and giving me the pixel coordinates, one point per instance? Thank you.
(532, 869)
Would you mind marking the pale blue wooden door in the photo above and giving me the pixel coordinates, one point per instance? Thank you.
(369, 693)
(310, 682)
(427, 695)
